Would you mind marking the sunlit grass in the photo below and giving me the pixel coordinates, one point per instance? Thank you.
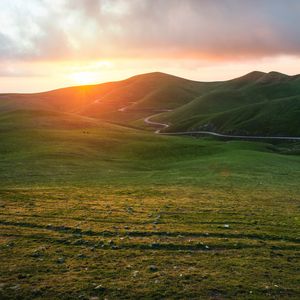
(146, 242)
(89, 209)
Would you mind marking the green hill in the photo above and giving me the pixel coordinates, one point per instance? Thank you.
(47, 146)
(249, 104)
(51, 147)
(255, 104)
(141, 94)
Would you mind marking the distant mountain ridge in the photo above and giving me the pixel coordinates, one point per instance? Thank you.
(256, 103)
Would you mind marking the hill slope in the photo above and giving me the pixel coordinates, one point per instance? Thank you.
(109, 97)
(258, 103)
(90, 202)
(250, 104)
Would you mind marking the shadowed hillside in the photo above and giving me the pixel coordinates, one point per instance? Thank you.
(255, 104)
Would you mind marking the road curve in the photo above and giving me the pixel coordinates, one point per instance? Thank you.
(156, 124)
(165, 125)
(251, 137)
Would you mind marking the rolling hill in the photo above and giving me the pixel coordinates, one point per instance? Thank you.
(257, 103)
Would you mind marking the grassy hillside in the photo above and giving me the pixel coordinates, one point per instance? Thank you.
(143, 95)
(109, 97)
(196, 105)
(43, 143)
(89, 209)
(255, 104)
(279, 117)
(270, 118)
(63, 100)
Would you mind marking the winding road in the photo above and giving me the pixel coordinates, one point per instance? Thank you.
(162, 126)
(156, 124)
(250, 137)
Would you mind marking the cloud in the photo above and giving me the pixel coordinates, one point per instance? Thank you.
(204, 29)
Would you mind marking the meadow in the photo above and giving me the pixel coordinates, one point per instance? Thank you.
(91, 210)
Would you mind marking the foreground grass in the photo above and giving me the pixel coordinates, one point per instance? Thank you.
(149, 243)
(103, 212)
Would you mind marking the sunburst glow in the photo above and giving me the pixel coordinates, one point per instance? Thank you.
(84, 77)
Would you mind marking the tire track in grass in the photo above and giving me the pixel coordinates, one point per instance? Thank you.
(106, 233)
(197, 246)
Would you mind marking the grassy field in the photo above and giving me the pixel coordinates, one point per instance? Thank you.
(91, 210)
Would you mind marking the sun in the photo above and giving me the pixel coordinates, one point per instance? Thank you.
(84, 77)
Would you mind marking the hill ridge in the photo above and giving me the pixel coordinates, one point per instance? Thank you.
(193, 103)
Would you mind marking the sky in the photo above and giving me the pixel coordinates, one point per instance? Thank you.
(48, 44)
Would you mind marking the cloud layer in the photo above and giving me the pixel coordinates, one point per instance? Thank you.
(206, 29)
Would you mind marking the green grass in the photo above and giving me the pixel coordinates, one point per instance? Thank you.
(112, 236)
(255, 104)
(90, 209)
(279, 117)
